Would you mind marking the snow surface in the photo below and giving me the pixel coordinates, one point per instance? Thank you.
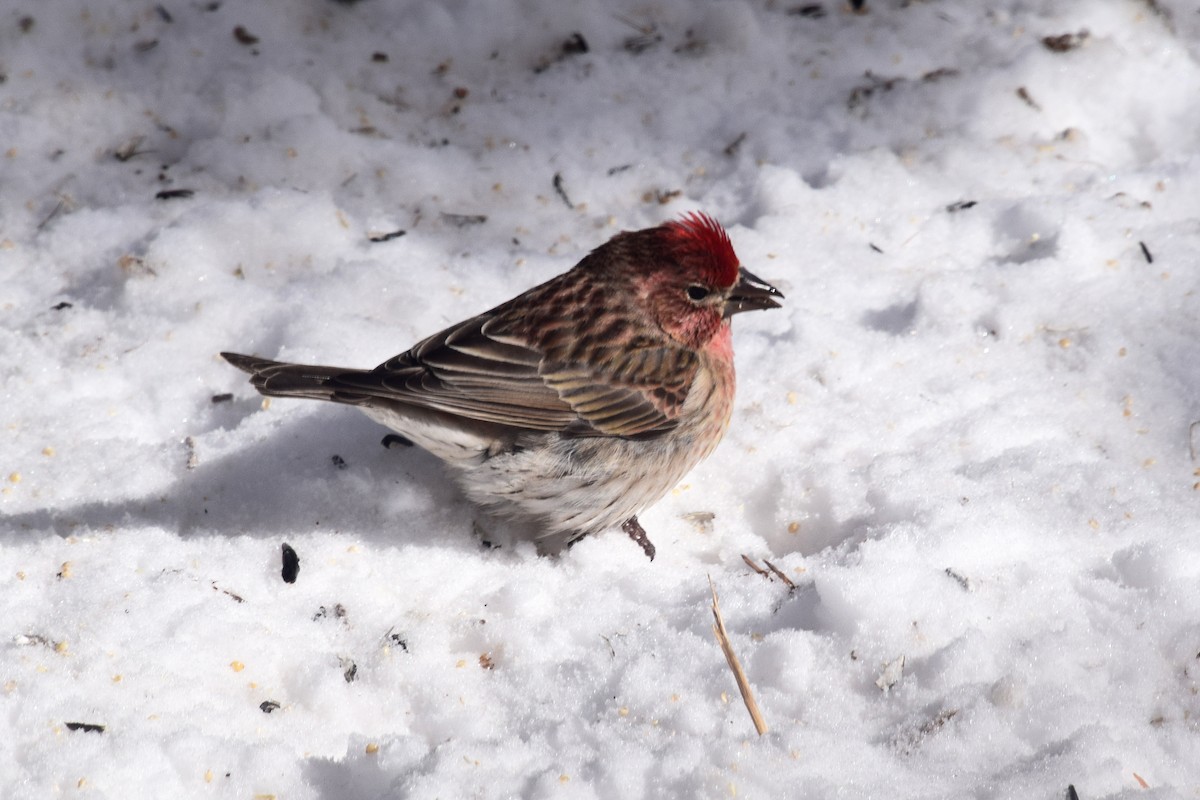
(967, 438)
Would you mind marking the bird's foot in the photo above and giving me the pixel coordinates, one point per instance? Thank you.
(634, 530)
(484, 536)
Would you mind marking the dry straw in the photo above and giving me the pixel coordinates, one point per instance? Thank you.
(739, 674)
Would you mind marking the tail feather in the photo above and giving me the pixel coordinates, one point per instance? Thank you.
(280, 379)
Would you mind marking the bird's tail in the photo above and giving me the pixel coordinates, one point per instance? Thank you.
(280, 379)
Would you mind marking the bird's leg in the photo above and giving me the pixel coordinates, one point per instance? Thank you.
(483, 535)
(635, 531)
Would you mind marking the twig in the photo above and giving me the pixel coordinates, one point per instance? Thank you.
(739, 675)
(732, 148)
(750, 563)
(561, 191)
(1192, 438)
(52, 215)
(462, 220)
(1023, 93)
(788, 581)
(961, 580)
(612, 653)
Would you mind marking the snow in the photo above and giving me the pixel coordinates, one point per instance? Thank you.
(967, 438)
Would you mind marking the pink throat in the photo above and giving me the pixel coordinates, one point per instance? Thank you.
(720, 346)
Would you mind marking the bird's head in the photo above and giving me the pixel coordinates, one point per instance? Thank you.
(690, 281)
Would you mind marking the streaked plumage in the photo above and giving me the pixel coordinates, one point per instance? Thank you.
(575, 405)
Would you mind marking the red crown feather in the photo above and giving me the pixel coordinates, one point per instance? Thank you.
(698, 235)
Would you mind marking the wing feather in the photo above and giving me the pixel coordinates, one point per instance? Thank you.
(506, 368)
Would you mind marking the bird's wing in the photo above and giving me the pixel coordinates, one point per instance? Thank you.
(482, 369)
(638, 393)
(464, 372)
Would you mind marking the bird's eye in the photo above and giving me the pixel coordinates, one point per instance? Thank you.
(697, 292)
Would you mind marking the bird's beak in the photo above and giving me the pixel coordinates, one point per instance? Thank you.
(751, 293)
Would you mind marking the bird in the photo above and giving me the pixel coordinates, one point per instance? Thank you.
(571, 408)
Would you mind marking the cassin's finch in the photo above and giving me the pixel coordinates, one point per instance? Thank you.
(574, 406)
